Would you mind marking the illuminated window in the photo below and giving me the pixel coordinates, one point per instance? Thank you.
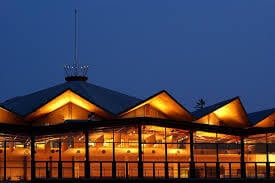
(40, 145)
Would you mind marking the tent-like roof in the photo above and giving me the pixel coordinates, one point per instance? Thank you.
(165, 103)
(109, 100)
(256, 117)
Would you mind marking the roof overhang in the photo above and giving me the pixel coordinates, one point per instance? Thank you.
(7, 116)
(268, 121)
(67, 97)
(166, 104)
(231, 114)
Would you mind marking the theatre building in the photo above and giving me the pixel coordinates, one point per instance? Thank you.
(77, 130)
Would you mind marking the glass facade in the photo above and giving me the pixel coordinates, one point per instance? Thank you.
(137, 151)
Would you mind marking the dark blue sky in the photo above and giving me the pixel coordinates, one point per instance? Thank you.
(192, 48)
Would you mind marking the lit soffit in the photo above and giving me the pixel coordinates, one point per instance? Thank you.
(166, 104)
(65, 98)
(268, 121)
(231, 114)
(8, 116)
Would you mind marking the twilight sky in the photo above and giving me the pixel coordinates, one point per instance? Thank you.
(214, 49)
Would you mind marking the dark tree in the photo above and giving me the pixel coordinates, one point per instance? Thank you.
(200, 104)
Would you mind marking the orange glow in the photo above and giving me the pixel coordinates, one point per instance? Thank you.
(165, 104)
(271, 158)
(261, 157)
(210, 119)
(176, 151)
(9, 117)
(269, 121)
(40, 146)
(231, 114)
(63, 99)
(205, 134)
(159, 104)
(227, 111)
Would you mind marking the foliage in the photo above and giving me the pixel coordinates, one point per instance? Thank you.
(200, 104)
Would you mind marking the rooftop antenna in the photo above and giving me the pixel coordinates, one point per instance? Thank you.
(75, 43)
(76, 72)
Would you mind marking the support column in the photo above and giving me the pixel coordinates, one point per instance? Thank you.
(192, 163)
(73, 168)
(267, 158)
(47, 170)
(60, 159)
(51, 166)
(33, 176)
(114, 156)
(166, 169)
(5, 160)
(87, 154)
(140, 163)
(218, 171)
(243, 168)
(25, 167)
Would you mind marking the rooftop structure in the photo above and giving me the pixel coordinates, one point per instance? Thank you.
(80, 131)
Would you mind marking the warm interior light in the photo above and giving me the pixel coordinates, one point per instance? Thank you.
(205, 134)
(19, 145)
(159, 104)
(63, 99)
(231, 114)
(166, 105)
(269, 121)
(176, 151)
(91, 144)
(9, 117)
(40, 145)
(271, 159)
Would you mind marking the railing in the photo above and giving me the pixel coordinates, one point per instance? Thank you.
(151, 169)
(129, 169)
(15, 170)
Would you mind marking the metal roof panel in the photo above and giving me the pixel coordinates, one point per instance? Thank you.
(256, 117)
(111, 101)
